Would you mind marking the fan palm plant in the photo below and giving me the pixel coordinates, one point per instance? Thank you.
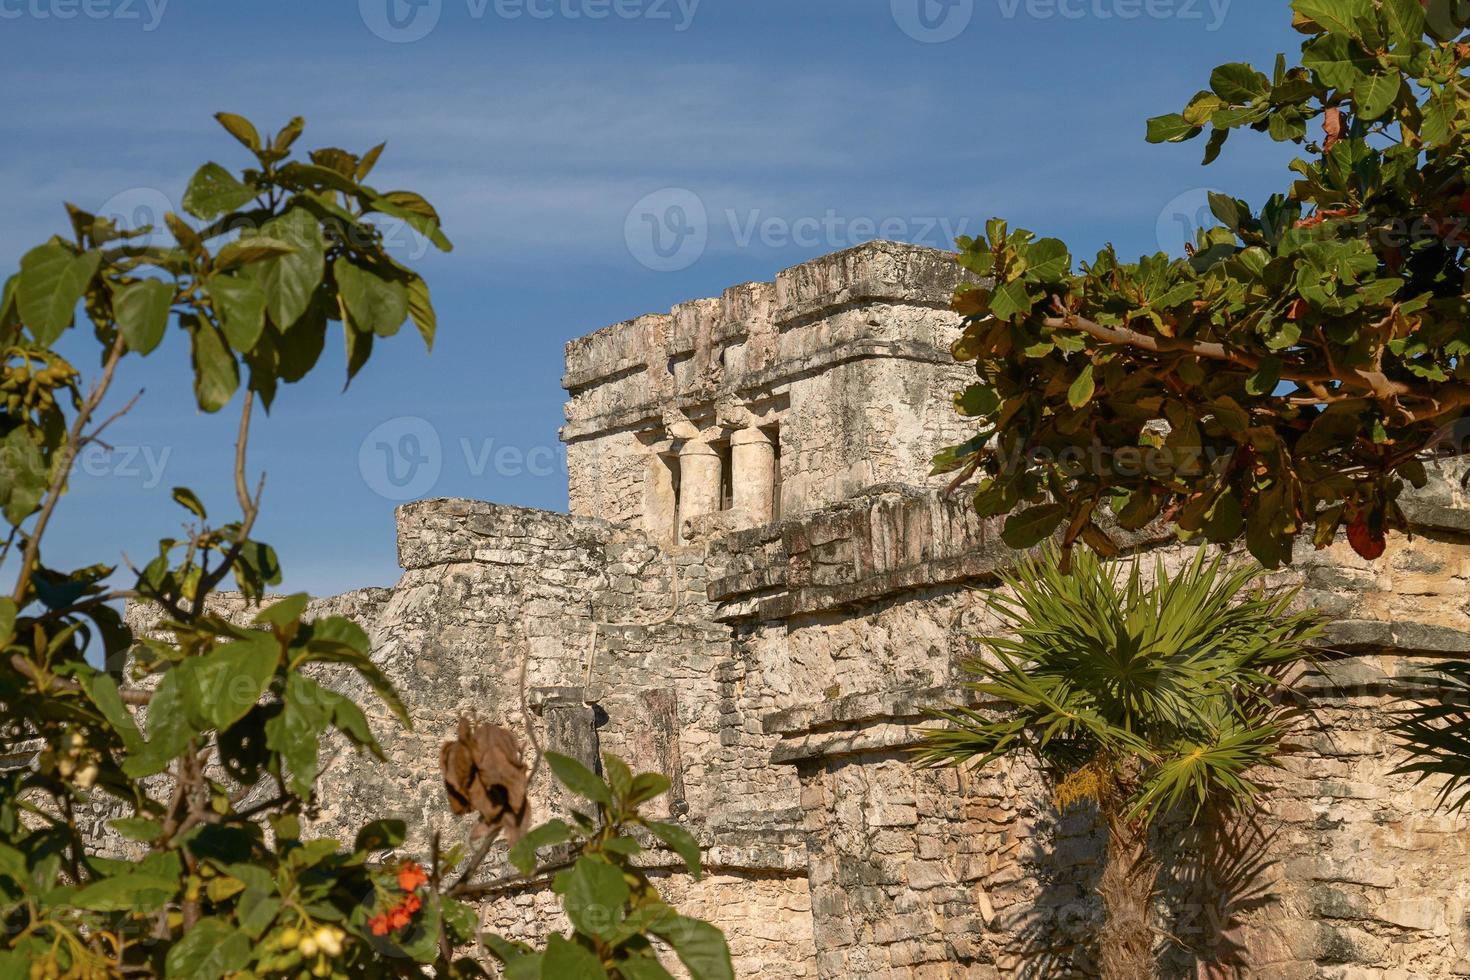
(1435, 732)
(1142, 698)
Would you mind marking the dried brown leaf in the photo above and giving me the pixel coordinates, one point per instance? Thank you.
(484, 773)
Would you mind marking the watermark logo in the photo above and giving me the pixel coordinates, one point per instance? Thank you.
(668, 230)
(401, 459)
(401, 21)
(933, 21)
(137, 208)
(147, 13)
(1183, 218)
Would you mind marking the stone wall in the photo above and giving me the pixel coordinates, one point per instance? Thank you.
(778, 670)
(844, 362)
(853, 620)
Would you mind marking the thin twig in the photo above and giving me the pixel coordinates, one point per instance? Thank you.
(74, 441)
(511, 883)
(249, 510)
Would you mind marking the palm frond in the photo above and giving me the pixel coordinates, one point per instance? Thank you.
(1173, 670)
(1436, 733)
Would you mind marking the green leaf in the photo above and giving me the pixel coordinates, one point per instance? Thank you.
(680, 841)
(619, 776)
(142, 310)
(1082, 390)
(1227, 412)
(288, 135)
(216, 375)
(1010, 300)
(1338, 62)
(977, 400)
(1405, 18)
(231, 678)
(359, 346)
(1239, 84)
(338, 640)
(523, 852)
(23, 475)
(701, 948)
(565, 960)
(295, 733)
(102, 690)
(377, 303)
(51, 283)
(214, 191)
(647, 786)
(643, 966)
(1215, 145)
(288, 281)
(1266, 377)
(1032, 526)
(1048, 261)
(594, 894)
(171, 713)
(380, 835)
(578, 778)
(1337, 16)
(249, 250)
(415, 211)
(208, 951)
(1375, 95)
(7, 617)
(241, 308)
(187, 499)
(1171, 128)
(285, 612)
(138, 829)
(240, 128)
(141, 893)
(421, 310)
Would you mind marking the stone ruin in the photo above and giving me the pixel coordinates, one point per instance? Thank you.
(759, 590)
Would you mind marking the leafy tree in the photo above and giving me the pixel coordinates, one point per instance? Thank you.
(1299, 366)
(210, 751)
(1144, 699)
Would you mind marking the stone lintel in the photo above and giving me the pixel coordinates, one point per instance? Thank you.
(880, 271)
(770, 380)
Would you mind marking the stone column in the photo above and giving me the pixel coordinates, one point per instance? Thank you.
(699, 481)
(660, 499)
(753, 458)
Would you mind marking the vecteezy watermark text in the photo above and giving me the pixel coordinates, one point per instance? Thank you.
(148, 13)
(146, 464)
(938, 21)
(402, 21)
(403, 459)
(1211, 13)
(670, 229)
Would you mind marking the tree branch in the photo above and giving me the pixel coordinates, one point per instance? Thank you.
(1372, 384)
(74, 442)
(249, 510)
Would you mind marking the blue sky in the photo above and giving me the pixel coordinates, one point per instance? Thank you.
(544, 131)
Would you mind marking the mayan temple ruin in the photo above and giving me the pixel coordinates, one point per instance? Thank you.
(759, 590)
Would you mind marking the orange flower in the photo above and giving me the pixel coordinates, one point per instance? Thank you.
(411, 876)
(379, 925)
